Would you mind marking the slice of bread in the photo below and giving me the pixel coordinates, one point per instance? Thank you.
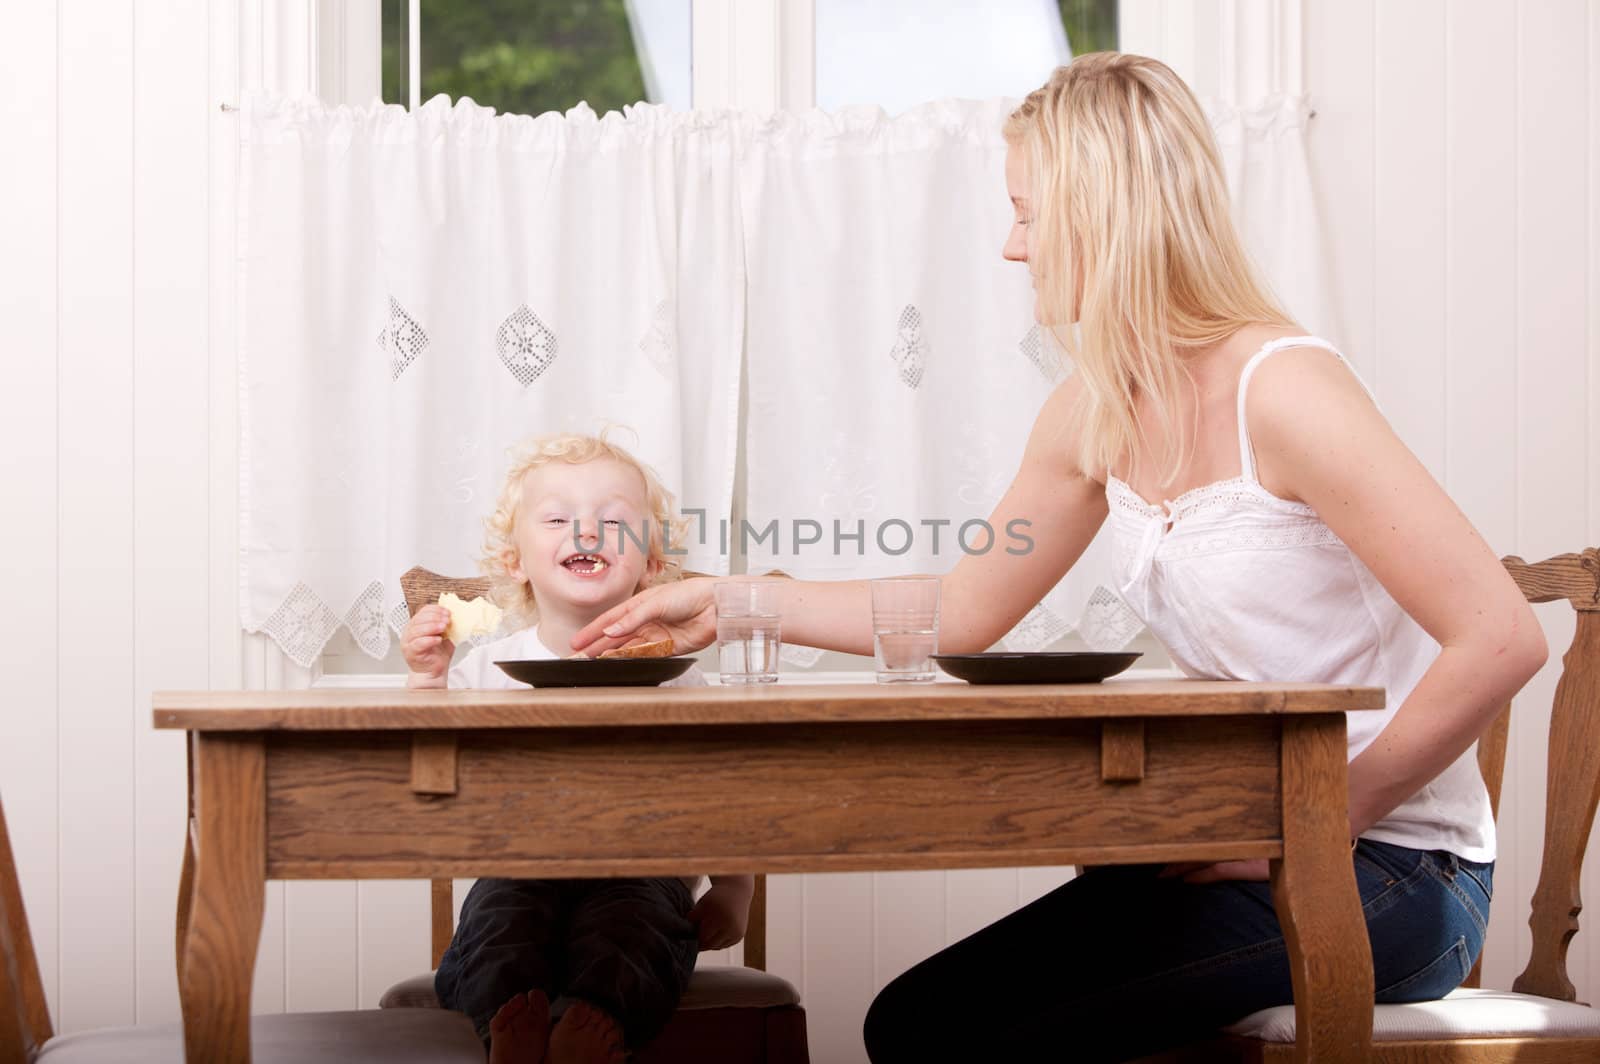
(661, 648)
(469, 617)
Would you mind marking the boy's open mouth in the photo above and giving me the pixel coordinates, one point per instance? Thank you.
(585, 564)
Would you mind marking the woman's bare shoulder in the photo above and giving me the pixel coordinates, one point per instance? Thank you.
(1306, 407)
(1058, 428)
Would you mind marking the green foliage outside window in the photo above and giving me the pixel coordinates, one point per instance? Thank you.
(521, 56)
(532, 56)
(1091, 25)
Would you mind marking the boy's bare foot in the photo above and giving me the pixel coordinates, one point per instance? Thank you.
(586, 1035)
(520, 1031)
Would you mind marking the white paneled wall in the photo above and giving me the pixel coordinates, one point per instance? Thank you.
(1455, 153)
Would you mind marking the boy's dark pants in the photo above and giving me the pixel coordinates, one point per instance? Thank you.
(623, 945)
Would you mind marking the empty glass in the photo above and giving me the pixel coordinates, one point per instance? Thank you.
(905, 628)
(748, 633)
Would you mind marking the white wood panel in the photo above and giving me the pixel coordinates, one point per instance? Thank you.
(95, 575)
(29, 631)
(320, 946)
(1480, 369)
(1552, 169)
(975, 898)
(1205, 21)
(394, 935)
(786, 929)
(171, 474)
(1409, 213)
(1592, 180)
(268, 990)
(1340, 73)
(908, 915)
(1035, 883)
(838, 963)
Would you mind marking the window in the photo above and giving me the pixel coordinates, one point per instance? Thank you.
(898, 53)
(532, 56)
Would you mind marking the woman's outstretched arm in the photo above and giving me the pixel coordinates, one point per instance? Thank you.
(1041, 527)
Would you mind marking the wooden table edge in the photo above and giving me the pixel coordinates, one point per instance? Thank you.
(398, 709)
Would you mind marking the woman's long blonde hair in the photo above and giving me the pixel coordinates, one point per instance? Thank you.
(1133, 240)
(663, 527)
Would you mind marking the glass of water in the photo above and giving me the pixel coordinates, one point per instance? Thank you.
(748, 635)
(905, 628)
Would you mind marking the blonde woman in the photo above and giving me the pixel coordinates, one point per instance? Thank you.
(1268, 525)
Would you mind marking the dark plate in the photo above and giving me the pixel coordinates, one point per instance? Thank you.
(1084, 666)
(596, 672)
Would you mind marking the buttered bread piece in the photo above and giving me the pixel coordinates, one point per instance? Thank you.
(469, 617)
(661, 648)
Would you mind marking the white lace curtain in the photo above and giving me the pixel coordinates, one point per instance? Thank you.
(420, 291)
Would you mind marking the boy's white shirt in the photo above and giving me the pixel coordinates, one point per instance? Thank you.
(478, 670)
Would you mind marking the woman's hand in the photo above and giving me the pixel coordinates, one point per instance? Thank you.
(427, 651)
(684, 611)
(1220, 871)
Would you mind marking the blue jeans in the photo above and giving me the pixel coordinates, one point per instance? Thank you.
(625, 946)
(1119, 963)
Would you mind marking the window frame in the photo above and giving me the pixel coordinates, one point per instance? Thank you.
(760, 55)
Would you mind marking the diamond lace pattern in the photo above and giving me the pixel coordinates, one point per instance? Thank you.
(799, 657)
(1040, 627)
(910, 351)
(1107, 623)
(367, 623)
(659, 343)
(301, 626)
(1033, 347)
(526, 347)
(402, 339)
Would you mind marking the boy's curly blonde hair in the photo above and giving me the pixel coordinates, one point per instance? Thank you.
(499, 544)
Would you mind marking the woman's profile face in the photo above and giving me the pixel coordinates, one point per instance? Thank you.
(1019, 240)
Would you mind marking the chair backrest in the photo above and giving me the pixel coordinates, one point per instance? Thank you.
(420, 587)
(1572, 790)
(24, 1018)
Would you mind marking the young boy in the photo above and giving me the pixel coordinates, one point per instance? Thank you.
(562, 547)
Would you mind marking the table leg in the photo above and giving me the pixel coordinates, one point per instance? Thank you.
(1314, 890)
(229, 885)
(186, 876)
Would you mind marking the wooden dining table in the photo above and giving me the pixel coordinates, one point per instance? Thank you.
(581, 782)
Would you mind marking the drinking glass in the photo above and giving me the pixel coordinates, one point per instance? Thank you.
(748, 632)
(905, 628)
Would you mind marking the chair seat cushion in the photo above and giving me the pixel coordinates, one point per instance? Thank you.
(711, 987)
(392, 1036)
(1463, 1013)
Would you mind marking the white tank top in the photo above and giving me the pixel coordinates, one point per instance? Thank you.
(1239, 584)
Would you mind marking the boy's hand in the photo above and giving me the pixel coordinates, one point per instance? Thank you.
(723, 912)
(426, 650)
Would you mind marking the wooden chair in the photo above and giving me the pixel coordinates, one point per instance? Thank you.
(1538, 1021)
(412, 1036)
(728, 1015)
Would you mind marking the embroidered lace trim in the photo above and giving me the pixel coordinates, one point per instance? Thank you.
(303, 624)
